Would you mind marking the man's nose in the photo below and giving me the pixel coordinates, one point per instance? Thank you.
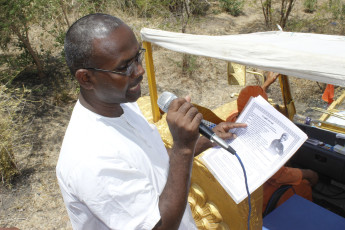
(138, 69)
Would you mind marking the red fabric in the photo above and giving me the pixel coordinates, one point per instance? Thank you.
(243, 97)
(328, 95)
(246, 93)
(286, 175)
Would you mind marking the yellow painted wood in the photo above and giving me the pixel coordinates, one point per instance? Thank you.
(289, 104)
(226, 109)
(233, 215)
(236, 74)
(156, 115)
(330, 126)
(333, 106)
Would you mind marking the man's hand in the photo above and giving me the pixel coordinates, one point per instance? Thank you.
(271, 77)
(183, 121)
(222, 131)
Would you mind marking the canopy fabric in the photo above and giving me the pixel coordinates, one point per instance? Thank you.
(315, 57)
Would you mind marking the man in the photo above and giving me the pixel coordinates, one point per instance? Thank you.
(277, 146)
(114, 171)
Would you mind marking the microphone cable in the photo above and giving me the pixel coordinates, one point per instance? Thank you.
(247, 189)
(232, 151)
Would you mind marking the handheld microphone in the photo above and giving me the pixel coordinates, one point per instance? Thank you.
(164, 101)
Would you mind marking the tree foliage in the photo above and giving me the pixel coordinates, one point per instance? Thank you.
(309, 6)
(233, 7)
(16, 18)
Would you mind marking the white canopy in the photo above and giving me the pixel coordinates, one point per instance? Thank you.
(315, 57)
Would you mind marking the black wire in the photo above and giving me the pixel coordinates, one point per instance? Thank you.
(247, 189)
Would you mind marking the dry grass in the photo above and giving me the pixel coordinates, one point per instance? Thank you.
(11, 134)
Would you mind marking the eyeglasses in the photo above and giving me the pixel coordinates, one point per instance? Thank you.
(129, 68)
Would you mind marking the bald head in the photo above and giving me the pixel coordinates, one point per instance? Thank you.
(79, 38)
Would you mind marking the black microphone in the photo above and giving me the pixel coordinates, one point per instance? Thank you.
(164, 101)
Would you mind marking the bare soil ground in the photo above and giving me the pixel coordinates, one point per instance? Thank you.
(35, 202)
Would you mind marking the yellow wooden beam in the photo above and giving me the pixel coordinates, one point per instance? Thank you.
(156, 115)
(332, 127)
(236, 74)
(287, 97)
(334, 105)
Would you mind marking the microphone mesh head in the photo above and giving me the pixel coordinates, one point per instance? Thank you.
(164, 100)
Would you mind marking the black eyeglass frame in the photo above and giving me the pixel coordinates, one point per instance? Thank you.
(138, 59)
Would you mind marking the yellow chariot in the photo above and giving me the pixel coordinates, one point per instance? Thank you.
(315, 57)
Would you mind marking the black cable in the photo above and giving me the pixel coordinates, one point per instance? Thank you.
(247, 189)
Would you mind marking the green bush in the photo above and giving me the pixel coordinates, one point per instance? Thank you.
(149, 8)
(199, 7)
(234, 7)
(309, 6)
(189, 64)
(337, 8)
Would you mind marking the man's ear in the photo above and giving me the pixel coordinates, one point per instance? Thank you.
(83, 77)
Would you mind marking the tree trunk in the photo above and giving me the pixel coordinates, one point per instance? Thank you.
(64, 13)
(266, 9)
(185, 19)
(285, 13)
(28, 47)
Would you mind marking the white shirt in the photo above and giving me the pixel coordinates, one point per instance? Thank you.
(111, 171)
